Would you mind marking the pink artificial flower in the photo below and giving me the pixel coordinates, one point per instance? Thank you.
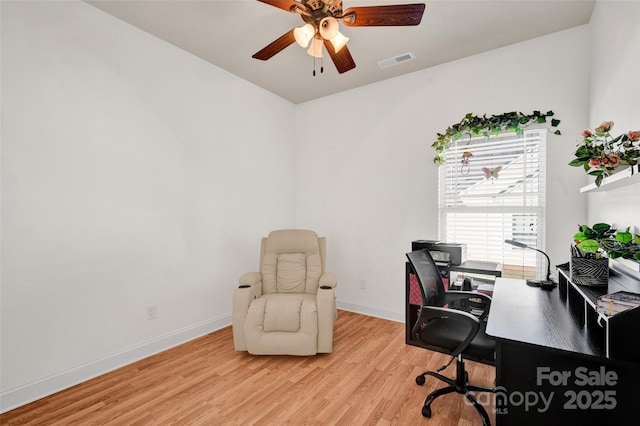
(634, 135)
(594, 162)
(604, 127)
(611, 160)
(586, 133)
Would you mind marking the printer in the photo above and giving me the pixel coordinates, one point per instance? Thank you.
(452, 253)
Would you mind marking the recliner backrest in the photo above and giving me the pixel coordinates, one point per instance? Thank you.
(291, 262)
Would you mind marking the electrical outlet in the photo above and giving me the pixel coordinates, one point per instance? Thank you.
(152, 312)
(363, 283)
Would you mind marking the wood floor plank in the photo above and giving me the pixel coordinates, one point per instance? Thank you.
(369, 379)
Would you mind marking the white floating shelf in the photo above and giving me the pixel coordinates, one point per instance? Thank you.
(626, 266)
(624, 177)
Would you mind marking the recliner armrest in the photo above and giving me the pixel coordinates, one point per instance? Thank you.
(328, 279)
(249, 288)
(249, 279)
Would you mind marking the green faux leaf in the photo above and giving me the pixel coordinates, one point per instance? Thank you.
(624, 237)
(550, 113)
(599, 180)
(637, 256)
(557, 132)
(601, 227)
(579, 236)
(541, 120)
(589, 246)
(577, 162)
(555, 122)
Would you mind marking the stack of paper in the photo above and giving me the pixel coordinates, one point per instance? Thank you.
(620, 301)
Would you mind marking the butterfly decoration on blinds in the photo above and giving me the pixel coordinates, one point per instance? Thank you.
(491, 173)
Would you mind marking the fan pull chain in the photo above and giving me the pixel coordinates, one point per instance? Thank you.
(321, 65)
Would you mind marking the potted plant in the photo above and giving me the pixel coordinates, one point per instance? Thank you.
(602, 238)
(600, 153)
(594, 246)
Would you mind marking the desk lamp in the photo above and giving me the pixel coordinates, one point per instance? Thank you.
(546, 284)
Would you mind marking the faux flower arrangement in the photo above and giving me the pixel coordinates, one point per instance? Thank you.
(602, 238)
(600, 153)
(474, 125)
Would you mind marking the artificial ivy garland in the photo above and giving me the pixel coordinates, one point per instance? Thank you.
(474, 125)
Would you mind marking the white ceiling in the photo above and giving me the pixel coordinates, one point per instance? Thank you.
(227, 33)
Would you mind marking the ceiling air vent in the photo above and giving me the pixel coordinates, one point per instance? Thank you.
(386, 63)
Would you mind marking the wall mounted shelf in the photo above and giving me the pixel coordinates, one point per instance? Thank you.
(625, 177)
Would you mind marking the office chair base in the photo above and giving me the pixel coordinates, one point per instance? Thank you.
(460, 385)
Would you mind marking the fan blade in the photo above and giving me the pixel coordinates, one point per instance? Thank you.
(394, 15)
(275, 47)
(341, 59)
(287, 5)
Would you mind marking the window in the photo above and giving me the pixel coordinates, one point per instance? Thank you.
(494, 189)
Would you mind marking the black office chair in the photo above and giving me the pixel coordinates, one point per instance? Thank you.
(455, 331)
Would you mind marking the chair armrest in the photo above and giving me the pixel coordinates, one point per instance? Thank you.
(328, 279)
(430, 313)
(249, 288)
(249, 279)
(454, 295)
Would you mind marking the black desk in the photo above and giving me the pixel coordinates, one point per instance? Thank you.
(549, 369)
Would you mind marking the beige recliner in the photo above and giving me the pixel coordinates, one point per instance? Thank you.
(288, 308)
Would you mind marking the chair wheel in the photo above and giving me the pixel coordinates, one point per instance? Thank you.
(426, 411)
(420, 380)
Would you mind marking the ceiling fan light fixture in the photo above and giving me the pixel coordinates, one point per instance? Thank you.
(329, 27)
(315, 49)
(322, 26)
(339, 41)
(304, 34)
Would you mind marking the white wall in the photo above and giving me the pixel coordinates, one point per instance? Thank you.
(615, 95)
(133, 173)
(369, 182)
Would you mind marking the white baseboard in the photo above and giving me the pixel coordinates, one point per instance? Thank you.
(24, 394)
(371, 310)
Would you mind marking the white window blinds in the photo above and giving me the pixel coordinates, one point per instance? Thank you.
(494, 189)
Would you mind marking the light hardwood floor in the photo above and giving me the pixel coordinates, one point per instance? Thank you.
(369, 379)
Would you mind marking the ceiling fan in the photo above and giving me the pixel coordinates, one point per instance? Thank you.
(321, 26)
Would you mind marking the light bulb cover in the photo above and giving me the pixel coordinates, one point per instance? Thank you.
(329, 27)
(304, 34)
(339, 41)
(315, 49)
